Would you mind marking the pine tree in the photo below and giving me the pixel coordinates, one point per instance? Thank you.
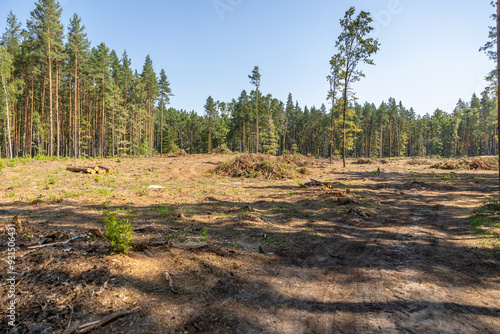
(126, 83)
(77, 47)
(11, 38)
(288, 115)
(336, 64)
(165, 93)
(46, 26)
(210, 110)
(151, 85)
(255, 80)
(8, 89)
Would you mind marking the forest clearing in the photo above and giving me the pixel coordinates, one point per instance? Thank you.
(223, 203)
(381, 246)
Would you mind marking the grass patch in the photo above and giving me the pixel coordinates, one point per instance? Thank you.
(104, 192)
(485, 223)
(163, 210)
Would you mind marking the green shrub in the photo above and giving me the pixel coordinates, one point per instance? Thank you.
(119, 232)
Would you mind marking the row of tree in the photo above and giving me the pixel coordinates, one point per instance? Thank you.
(387, 130)
(63, 97)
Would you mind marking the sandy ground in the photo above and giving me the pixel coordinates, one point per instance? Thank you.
(375, 252)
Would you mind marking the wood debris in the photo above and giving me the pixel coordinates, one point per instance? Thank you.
(90, 170)
(89, 327)
(189, 244)
(170, 282)
(56, 243)
(316, 183)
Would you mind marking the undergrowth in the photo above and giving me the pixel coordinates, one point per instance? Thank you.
(118, 232)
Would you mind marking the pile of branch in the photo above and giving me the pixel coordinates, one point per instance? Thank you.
(257, 166)
(478, 163)
(363, 161)
(90, 170)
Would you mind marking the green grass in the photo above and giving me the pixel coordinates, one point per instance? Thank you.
(70, 194)
(485, 223)
(104, 192)
(163, 210)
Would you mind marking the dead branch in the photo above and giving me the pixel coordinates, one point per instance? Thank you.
(56, 243)
(170, 282)
(87, 328)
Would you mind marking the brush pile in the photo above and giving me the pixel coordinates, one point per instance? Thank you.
(468, 164)
(296, 159)
(363, 161)
(176, 154)
(259, 166)
(223, 149)
(416, 161)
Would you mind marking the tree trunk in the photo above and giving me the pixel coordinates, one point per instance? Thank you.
(332, 121)
(51, 123)
(8, 116)
(209, 131)
(75, 112)
(498, 86)
(244, 137)
(41, 139)
(161, 127)
(381, 137)
(344, 125)
(58, 124)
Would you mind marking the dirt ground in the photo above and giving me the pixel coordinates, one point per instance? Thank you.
(385, 248)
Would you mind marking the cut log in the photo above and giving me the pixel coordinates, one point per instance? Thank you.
(76, 169)
(107, 169)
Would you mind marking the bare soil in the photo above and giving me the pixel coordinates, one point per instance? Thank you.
(381, 248)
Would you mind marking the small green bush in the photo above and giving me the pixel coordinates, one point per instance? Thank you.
(119, 232)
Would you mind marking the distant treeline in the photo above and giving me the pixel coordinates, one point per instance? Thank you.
(62, 97)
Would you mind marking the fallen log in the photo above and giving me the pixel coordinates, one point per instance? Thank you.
(107, 169)
(88, 170)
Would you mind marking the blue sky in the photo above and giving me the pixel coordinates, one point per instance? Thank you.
(428, 56)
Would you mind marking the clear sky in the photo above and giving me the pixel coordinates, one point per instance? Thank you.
(428, 56)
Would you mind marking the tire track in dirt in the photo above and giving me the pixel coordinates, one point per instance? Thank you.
(408, 276)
